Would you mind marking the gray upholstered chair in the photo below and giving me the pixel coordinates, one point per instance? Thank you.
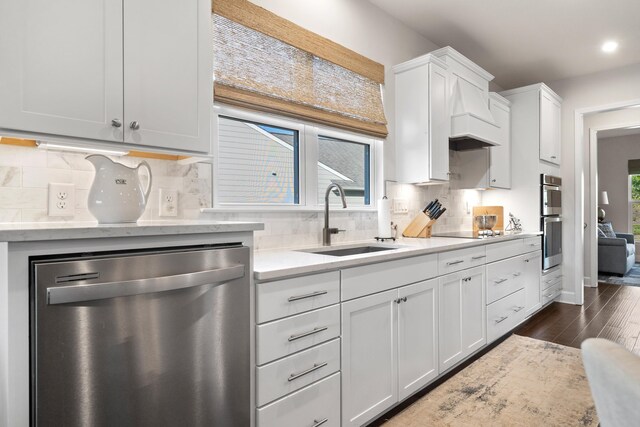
(614, 379)
(616, 255)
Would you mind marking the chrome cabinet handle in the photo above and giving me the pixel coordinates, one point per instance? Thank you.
(553, 157)
(493, 180)
(315, 367)
(502, 319)
(98, 291)
(116, 123)
(517, 309)
(516, 274)
(319, 423)
(466, 279)
(460, 261)
(478, 257)
(497, 282)
(134, 125)
(306, 334)
(399, 300)
(305, 296)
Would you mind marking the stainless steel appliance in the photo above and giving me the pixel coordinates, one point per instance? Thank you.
(551, 195)
(551, 220)
(142, 338)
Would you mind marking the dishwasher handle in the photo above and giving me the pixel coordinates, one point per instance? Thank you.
(98, 291)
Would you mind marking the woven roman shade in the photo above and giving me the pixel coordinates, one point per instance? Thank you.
(264, 62)
(634, 167)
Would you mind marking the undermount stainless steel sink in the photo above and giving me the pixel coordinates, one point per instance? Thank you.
(353, 250)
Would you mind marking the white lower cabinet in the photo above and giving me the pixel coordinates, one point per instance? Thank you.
(532, 272)
(315, 405)
(389, 349)
(462, 316)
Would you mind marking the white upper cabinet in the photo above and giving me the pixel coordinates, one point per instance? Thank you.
(422, 120)
(62, 69)
(500, 156)
(137, 71)
(550, 131)
(536, 119)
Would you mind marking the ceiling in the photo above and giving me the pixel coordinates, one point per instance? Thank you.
(527, 41)
(614, 133)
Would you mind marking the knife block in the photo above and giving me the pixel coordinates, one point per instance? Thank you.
(419, 227)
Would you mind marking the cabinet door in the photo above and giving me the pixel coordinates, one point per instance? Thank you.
(450, 348)
(500, 157)
(369, 367)
(532, 272)
(61, 67)
(168, 73)
(440, 124)
(417, 336)
(550, 115)
(474, 310)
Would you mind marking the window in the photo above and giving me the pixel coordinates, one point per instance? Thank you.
(634, 202)
(258, 164)
(265, 162)
(345, 163)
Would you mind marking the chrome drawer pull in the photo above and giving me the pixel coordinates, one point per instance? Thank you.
(306, 334)
(549, 295)
(502, 319)
(315, 367)
(460, 261)
(319, 423)
(305, 296)
(478, 257)
(517, 309)
(516, 274)
(534, 244)
(466, 279)
(497, 282)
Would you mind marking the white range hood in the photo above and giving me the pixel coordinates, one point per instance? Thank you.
(472, 124)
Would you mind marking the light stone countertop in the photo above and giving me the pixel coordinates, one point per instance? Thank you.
(32, 232)
(278, 264)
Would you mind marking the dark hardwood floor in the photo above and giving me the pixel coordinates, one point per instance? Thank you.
(609, 311)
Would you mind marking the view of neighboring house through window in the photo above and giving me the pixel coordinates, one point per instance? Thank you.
(257, 163)
(634, 202)
(345, 163)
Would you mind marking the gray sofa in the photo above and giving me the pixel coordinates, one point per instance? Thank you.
(616, 255)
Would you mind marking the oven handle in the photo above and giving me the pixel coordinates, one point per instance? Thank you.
(98, 291)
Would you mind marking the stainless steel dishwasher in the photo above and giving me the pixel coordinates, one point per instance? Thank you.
(154, 338)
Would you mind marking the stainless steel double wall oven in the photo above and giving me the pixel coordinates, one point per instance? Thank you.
(551, 220)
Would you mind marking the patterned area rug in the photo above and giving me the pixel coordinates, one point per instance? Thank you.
(632, 278)
(521, 382)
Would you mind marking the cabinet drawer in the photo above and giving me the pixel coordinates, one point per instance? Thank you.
(505, 277)
(284, 298)
(503, 250)
(505, 314)
(532, 244)
(287, 375)
(283, 337)
(373, 278)
(550, 278)
(450, 262)
(551, 293)
(307, 407)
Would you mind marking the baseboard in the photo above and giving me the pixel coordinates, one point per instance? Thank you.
(567, 298)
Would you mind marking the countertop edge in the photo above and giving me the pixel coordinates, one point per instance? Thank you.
(93, 231)
(269, 275)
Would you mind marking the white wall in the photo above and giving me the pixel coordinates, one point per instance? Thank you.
(365, 29)
(613, 157)
(583, 92)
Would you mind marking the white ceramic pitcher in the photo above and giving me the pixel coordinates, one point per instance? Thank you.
(117, 195)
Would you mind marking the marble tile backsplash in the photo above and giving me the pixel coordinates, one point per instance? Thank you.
(26, 172)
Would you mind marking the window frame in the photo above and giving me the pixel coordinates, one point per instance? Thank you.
(308, 134)
(631, 203)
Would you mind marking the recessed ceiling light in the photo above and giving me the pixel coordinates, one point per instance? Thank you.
(609, 46)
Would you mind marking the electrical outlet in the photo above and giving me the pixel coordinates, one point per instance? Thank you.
(62, 200)
(400, 206)
(168, 202)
